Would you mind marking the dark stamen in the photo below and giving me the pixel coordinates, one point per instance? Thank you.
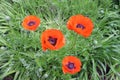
(52, 41)
(80, 26)
(71, 65)
(31, 23)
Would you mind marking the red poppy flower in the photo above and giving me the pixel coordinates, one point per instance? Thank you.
(71, 65)
(52, 39)
(80, 24)
(31, 22)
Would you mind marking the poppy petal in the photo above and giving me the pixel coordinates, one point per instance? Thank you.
(81, 25)
(31, 22)
(71, 65)
(52, 39)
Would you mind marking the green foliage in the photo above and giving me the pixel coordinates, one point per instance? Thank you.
(20, 50)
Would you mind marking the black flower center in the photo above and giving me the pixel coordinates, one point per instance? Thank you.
(52, 41)
(80, 26)
(31, 23)
(71, 65)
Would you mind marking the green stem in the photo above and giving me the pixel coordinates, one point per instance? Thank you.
(75, 40)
